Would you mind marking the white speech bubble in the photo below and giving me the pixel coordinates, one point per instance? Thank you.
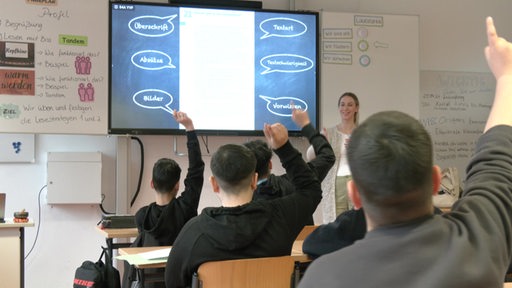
(288, 105)
(289, 63)
(162, 29)
(284, 33)
(152, 98)
(153, 62)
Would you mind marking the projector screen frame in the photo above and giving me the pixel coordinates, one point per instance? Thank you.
(293, 130)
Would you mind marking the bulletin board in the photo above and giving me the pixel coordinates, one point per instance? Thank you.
(53, 66)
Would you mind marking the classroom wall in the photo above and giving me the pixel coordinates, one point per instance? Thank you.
(452, 37)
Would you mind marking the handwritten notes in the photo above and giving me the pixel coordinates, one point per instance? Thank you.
(454, 107)
(53, 67)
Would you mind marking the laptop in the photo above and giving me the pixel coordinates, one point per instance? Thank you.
(2, 207)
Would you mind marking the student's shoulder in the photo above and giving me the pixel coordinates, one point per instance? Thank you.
(190, 233)
(497, 133)
(142, 210)
(194, 223)
(322, 272)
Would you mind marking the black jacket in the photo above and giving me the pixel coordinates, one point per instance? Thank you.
(348, 227)
(278, 186)
(160, 225)
(260, 228)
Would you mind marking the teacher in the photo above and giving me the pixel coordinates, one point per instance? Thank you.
(334, 186)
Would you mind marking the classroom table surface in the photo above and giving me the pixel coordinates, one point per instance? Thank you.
(9, 223)
(297, 248)
(296, 253)
(137, 250)
(118, 232)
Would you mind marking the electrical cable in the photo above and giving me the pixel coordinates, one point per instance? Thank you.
(206, 144)
(38, 222)
(103, 209)
(141, 171)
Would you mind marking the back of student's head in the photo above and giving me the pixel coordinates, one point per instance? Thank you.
(263, 155)
(233, 166)
(390, 159)
(166, 173)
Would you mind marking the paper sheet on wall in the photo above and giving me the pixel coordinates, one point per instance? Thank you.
(17, 148)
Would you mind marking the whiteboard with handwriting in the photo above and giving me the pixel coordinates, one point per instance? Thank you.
(454, 107)
(375, 56)
(53, 66)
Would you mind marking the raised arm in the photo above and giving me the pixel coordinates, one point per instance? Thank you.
(189, 198)
(325, 158)
(183, 119)
(488, 184)
(276, 135)
(299, 206)
(499, 58)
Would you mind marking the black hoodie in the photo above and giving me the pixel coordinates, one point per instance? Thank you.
(261, 228)
(160, 225)
(278, 186)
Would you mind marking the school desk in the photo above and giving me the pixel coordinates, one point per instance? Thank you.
(124, 252)
(297, 254)
(128, 253)
(132, 254)
(120, 233)
(12, 247)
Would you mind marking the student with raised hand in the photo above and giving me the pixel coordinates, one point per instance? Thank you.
(271, 186)
(390, 157)
(242, 228)
(160, 222)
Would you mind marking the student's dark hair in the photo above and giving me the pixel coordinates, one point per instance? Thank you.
(166, 173)
(233, 167)
(263, 155)
(390, 159)
(356, 100)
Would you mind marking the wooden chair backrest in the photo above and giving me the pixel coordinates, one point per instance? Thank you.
(268, 272)
(306, 231)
